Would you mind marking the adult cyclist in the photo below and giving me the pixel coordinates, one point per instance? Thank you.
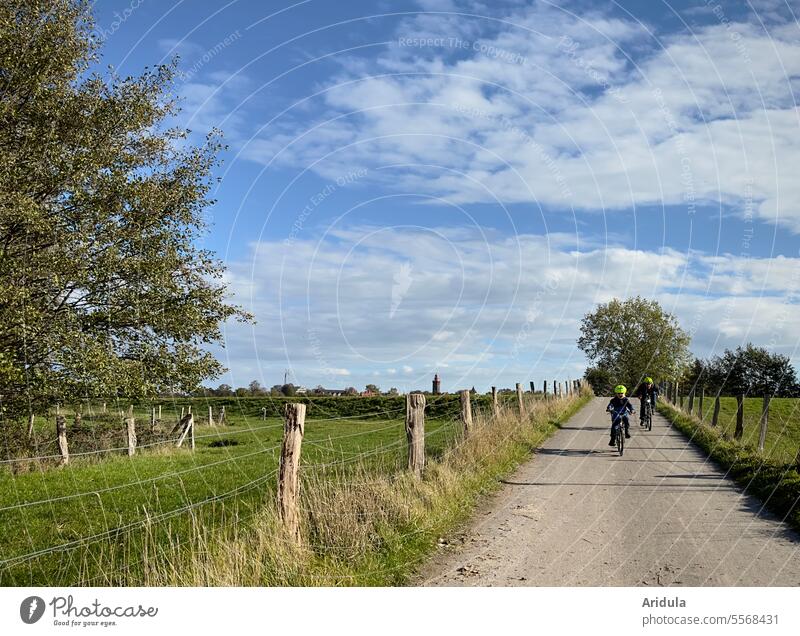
(619, 407)
(647, 392)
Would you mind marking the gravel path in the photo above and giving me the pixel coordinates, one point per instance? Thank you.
(578, 514)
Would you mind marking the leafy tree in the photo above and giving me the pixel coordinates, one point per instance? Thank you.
(600, 380)
(393, 391)
(288, 390)
(372, 388)
(626, 340)
(753, 371)
(255, 388)
(103, 289)
(223, 390)
(351, 390)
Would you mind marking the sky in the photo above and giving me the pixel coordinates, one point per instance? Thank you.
(449, 186)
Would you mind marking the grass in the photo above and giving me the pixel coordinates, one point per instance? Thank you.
(176, 517)
(783, 432)
(772, 476)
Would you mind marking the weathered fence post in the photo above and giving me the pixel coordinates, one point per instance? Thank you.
(130, 428)
(533, 390)
(520, 405)
(222, 415)
(289, 475)
(762, 434)
(263, 413)
(466, 411)
(715, 416)
(556, 392)
(691, 400)
(180, 419)
(186, 423)
(210, 416)
(191, 430)
(737, 434)
(415, 432)
(153, 419)
(159, 412)
(700, 413)
(544, 390)
(566, 387)
(61, 438)
(495, 406)
(104, 407)
(31, 420)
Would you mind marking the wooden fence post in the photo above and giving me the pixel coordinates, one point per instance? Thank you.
(183, 411)
(737, 434)
(210, 416)
(495, 406)
(566, 387)
(31, 421)
(289, 475)
(533, 390)
(159, 412)
(61, 438)
(545, 389)
(222, 415)
(691, 400)
(520, 405)
(415, 432)
(130, 428)
(715, 416)
(466, 411)
(762, 434)
(186, 423)
(153, 419)
(263, 413)
(555, 390)
(104, 407)
(700, 412)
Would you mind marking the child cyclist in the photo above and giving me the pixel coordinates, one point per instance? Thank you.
(619, 407)
(647, 392)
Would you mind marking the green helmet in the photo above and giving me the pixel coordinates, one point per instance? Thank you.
(648, 380)
(620, 388)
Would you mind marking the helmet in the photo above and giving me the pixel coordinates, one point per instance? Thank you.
(648, 380)
(620, 388)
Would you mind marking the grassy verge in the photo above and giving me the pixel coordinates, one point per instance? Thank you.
(365, 527)
(774, 481)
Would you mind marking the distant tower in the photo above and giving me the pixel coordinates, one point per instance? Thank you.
(437, 385)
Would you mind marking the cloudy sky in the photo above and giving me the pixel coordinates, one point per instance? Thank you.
(450, 185)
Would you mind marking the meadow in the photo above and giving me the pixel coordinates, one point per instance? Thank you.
(110, 519)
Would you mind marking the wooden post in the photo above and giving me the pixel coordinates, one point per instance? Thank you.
(210, 416)
(104, 407)
(130, 427)
(691, 400)
(153, 419)
(159, 412)
(190, 409)
(222, 415)
(289, 476)
(191, 429)
(555, 390)
(263, 413)
(533, 390)
(415, 432)
(545, 389)
(715, 416)
(31, 421)
(737, 434)
(700, 412)
(495, 406)
(186, 423)
(762, 434)
(520, 405)
(466, 411)
(566, 387)
(180, 419)
(61, 438)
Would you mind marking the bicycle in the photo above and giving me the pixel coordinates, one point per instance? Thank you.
(646, 418)
(619, 429)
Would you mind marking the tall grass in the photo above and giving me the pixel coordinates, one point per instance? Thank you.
(361, 527)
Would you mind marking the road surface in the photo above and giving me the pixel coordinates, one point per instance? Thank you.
(578, 514)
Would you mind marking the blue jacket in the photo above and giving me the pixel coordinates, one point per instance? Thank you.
(620, 407)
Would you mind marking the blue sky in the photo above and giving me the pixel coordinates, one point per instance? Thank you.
(449, 185)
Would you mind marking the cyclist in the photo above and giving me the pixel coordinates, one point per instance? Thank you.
(619, 407)
(647, 391)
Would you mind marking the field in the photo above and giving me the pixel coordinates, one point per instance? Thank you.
(783, 432)
(106, 517)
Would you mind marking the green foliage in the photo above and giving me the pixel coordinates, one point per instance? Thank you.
(102, 288)
(627, 340)
(748, 370)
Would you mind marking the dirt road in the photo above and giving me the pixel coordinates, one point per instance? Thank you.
(578, 514)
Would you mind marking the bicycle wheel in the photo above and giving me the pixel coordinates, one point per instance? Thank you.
(620, 439)
(649, 419)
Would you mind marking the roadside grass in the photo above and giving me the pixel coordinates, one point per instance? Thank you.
(362, 527)
(771, 476)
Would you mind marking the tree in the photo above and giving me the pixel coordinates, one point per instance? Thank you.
(223, 390)
(372, 388)
(600, 380)
(627, 340)
(393, 391)
(753, 371)
(351, 390)
(104, 290)
(255, 388)
(288, 390)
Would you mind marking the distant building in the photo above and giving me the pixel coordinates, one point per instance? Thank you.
(300, 390)
(330, 392)
(437, 385)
